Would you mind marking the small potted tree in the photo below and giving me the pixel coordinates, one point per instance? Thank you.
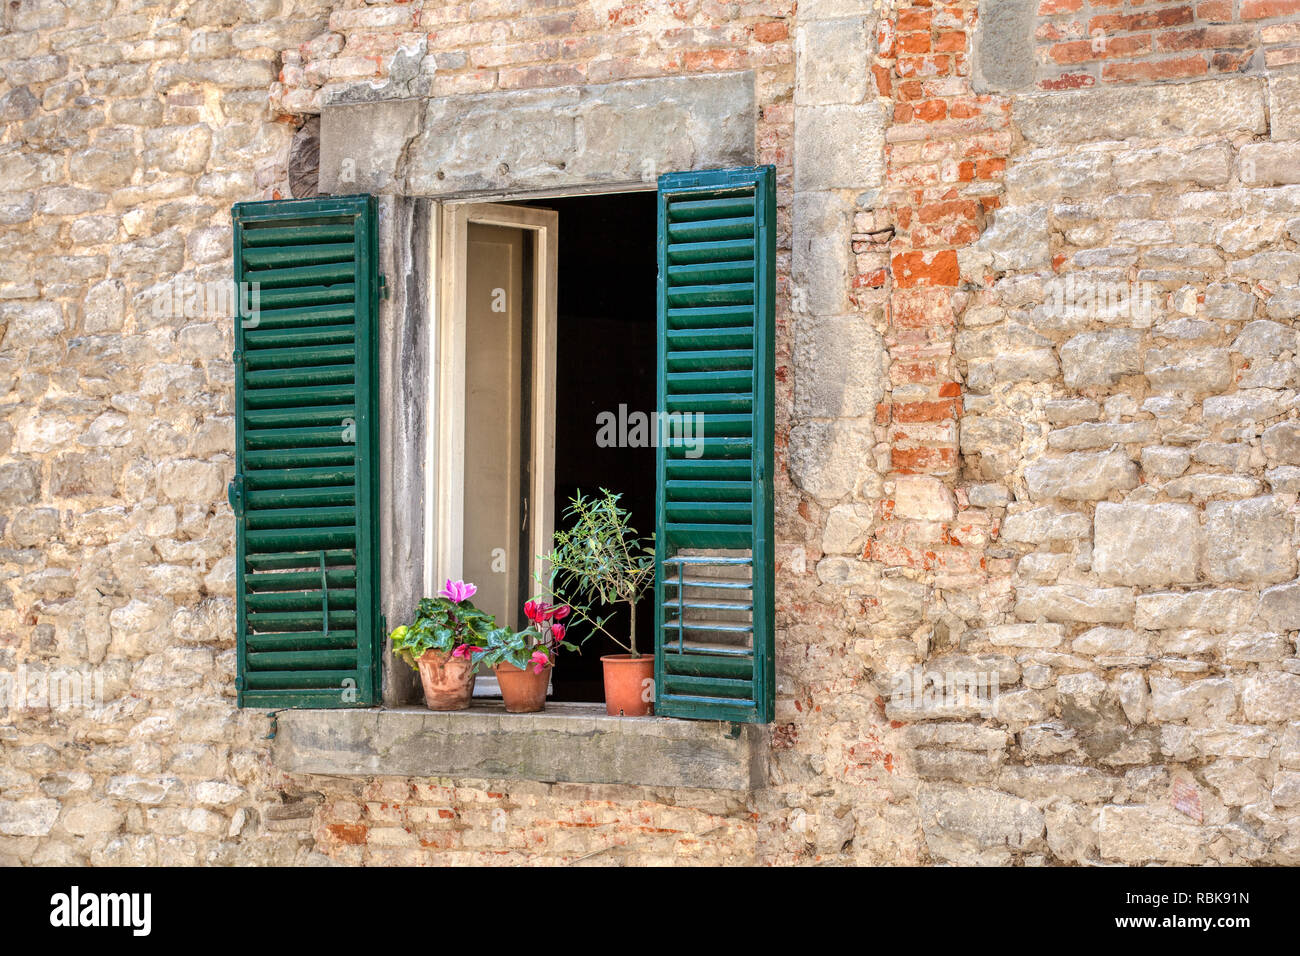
(522, 660)
(444, 642)
(599, 563)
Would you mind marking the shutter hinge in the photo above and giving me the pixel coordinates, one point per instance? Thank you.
(275, 724)
(383, 286)
(237, 356)
(235, 494)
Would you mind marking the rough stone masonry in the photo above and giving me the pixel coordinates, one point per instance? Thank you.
(1039, 385)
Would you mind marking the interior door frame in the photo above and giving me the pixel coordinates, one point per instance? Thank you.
(445, 444)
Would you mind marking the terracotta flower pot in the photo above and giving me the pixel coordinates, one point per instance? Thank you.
(629, 685)
(448, 681)
(523, 691)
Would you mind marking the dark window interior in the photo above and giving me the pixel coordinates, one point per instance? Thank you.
(606, 357)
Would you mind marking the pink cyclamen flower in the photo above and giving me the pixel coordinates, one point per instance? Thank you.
(539, 661)
(458, 591)
(561, 612)
(532, 611)
(557, 632)
(464, 650)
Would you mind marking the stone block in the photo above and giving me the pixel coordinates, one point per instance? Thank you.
(1139, 544)
(1249, 541)
(624, 132)
(1214, 107)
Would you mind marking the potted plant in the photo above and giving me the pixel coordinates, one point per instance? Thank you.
(600, 562)
(443, 642)
(522, 660)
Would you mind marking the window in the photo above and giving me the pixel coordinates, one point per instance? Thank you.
(698, 349)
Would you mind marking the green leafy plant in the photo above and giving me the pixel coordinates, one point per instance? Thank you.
(535, 645)
(599, 561)
(449, 623)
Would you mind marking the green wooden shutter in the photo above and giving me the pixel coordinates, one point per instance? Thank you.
(306, 421)
(714, 644)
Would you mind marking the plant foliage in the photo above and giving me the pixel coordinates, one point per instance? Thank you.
(599, 561)
(449, 623)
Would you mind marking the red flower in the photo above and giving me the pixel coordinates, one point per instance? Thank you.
(539, 661)
(561, 612)
(557, 632)
(536, 611)
(464, 650)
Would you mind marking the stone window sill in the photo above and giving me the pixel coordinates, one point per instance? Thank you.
(570, 743)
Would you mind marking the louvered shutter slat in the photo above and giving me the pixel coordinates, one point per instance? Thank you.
(306, 419)
(714, 574)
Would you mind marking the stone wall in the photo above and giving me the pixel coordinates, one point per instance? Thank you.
(1037, 426)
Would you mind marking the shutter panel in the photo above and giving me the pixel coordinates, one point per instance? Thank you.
(714, 643)
(306, 421)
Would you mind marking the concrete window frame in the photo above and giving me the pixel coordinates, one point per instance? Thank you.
(423, 159)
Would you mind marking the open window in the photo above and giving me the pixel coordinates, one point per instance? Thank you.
(554, 317)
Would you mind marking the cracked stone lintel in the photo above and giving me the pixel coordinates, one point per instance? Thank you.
(534, 140)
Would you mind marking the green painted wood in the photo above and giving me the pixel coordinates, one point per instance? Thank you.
(345, 598)
(300, 457)
(316, 660)
(299, 580)
(305, 296)
(302, 396)
(306, 455)
(273, 561)
(710, 708)
(265, 338)
(714, 613)
(300, 478)
(709, 686)
(305, 232)
(269, 257)
(282, 680)
(303, 641)
(300, 356)
(705, 402)
(308, 317)
(726, 250)
(283, 698)
(299, 416)
(316, 496)
(736, 381)
(713, 360)
(301, 377)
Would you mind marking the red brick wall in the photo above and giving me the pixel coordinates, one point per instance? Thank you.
(509, 44)
(945, 157)
(1084, 42)
(391, 821)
